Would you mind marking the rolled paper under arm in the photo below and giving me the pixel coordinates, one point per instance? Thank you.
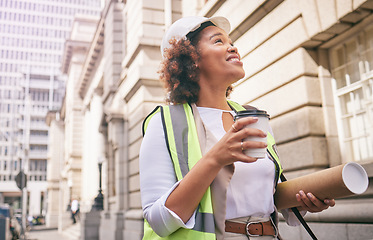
(332, 183)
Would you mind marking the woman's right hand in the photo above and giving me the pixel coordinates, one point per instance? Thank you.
(230, 147)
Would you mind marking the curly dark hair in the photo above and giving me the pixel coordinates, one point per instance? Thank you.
(179, 72)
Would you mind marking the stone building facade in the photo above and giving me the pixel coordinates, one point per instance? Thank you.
(308, 63)
(65, 142)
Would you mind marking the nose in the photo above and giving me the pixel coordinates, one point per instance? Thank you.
(232, 49)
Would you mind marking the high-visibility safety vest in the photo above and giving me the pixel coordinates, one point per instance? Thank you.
(183, 146)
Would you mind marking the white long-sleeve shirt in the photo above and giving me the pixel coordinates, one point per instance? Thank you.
(250, 192)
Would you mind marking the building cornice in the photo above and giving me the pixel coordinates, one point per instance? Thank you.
(94, 51)
(72, 46)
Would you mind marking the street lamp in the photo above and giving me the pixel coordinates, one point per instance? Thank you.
(70, 186)
(98, 205)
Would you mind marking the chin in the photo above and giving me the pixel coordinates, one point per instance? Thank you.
(240, 75)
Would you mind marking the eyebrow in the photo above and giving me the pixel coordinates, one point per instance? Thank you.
(214, 35)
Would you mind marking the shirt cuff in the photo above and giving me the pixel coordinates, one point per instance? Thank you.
(163, 220)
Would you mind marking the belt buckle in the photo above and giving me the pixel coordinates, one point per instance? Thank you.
(254, 235)
(247, 230)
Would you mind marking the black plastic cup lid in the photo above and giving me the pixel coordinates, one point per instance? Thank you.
(253, 112)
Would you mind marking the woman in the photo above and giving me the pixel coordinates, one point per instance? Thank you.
(196, 178)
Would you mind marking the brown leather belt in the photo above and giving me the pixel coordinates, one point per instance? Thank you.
(251, 229)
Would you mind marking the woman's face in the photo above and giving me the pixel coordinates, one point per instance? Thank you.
(218, 57)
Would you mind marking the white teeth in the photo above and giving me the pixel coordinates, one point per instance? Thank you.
(233, 60)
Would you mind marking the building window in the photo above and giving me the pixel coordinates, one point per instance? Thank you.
(352, 72)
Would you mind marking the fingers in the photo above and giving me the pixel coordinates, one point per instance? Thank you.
(237, 139)
(252, 144)
(234, 128)
(330, 202)
(311, 203)
(241, 123)
(242, 133)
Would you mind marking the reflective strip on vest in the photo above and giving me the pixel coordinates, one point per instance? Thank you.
(236, 106)
(183, 146)
(272, 152)
(147, 119)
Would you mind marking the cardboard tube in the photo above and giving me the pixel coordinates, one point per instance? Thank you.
(332, 183)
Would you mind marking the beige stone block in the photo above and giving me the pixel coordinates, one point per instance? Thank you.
(151, 56)
(134, 183)
(300, 92)
(152, 31)
(118, 11)
(327, 90)
(148, 71)
(134, 214)
(330, 121)
(136, 235)
(118, 26)
(302, 153)
(310, 16)
(332, 231)
(153, 17)
(343, 7)
(237, 11)
(334, 152)
(118, 36)
(133, 149)
(363, 4)
(139, 114)
(327, 13)
(273, 49)
(177, 15)
(117, 49)
(135, 200)
(133, 225)
(294, 173)
(133, 39)
(272, 22)
(363, 231)
(134, 17)
(153, 4)
(297, 124)
(275, 75)
(135, 133)
(154, 94)
(134, 166)
(117, 68)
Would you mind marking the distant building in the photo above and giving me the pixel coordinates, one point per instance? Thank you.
(32, 39)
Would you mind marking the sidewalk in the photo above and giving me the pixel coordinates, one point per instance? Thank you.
(41, 232)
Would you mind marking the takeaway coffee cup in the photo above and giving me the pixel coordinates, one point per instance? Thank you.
(261, 124)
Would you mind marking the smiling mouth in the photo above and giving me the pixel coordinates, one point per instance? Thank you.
(233, 58)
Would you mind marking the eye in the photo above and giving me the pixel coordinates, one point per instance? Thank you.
(218, 40)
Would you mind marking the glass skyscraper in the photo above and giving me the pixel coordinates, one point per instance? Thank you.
(32, 38)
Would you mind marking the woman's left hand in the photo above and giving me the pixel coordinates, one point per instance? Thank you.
(311, 203)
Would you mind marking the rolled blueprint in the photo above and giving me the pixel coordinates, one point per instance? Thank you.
(332, 183)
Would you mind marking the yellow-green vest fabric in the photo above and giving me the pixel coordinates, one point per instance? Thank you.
(184, 148)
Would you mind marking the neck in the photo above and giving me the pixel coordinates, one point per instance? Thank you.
(213, 90)
(212, 100)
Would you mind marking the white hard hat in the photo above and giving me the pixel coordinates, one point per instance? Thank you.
(185, 25)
